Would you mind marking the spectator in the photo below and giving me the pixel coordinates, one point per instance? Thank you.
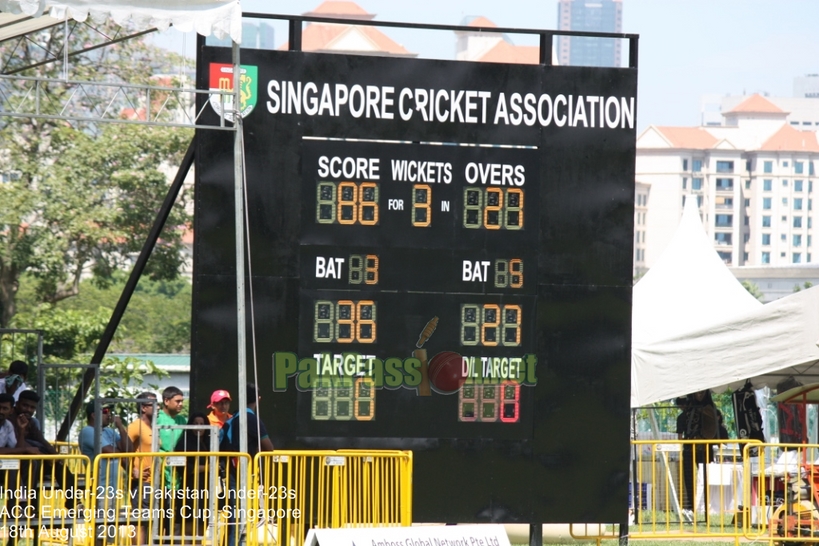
(9, 442)
(140, 432)
(257, 440)
(26, 405)
(15, 381)
(111, 441)
(170, 415)
(12, 441)
(196, 475)
(219, 406)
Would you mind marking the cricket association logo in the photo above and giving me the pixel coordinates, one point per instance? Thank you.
(221, 79)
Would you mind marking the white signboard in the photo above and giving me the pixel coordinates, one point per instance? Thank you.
(428, 535)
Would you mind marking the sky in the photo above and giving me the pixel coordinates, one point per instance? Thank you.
(688, 48)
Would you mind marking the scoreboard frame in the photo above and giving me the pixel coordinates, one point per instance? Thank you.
(560, 453)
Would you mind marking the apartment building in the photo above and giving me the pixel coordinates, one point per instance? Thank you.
(753, 177)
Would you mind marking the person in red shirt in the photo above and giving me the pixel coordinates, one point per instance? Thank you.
(220, 406)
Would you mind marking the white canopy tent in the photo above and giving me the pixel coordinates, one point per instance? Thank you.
(694, 326)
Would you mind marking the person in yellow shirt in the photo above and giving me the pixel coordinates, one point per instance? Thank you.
(140, 432)
(220, 406)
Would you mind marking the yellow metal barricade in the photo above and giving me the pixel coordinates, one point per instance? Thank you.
(299, 490)
(689, 489)
(41, 498)
(72, 448)
(166, 498)
(783, 494)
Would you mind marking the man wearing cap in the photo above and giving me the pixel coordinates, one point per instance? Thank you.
(219, 405)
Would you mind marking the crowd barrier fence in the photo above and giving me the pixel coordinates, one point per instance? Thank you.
(740, 490)
(177, 499)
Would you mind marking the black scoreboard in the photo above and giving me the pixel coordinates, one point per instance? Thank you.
(440, 260)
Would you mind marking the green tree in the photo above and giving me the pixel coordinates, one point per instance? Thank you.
(806, 285)
(753, 289)
(82, 200)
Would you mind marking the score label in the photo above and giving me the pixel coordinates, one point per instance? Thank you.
(506, 273)
(363, 268)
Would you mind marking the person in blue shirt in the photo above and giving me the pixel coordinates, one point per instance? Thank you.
(111, 441)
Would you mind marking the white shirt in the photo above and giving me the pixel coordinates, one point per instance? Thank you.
(7, 436)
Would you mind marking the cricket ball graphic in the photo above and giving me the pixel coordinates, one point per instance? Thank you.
(445, 372)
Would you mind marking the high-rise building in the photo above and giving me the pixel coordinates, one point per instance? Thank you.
(753, 178)
(589, 16)
(806, 86)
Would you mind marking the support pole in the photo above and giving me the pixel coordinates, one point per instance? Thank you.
(239, 221)
(127, 292)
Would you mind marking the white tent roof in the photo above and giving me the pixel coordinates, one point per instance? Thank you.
(688, 287)
(766, 345)
(219, 17)
(695, 327)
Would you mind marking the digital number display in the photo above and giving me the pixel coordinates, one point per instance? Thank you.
(493, 208)
(347, 203)
(394, 235)
(344, 321)
(354, 402)
(491, 325)
(489, 403)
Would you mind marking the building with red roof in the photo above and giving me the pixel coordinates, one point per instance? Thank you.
(753, 176)
(351, 39)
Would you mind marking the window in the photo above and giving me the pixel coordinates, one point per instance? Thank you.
(797, 257)
(766, 184)
(724, 220)
(747, 218)
(785, 201)
(782, 254)
(696, 183)
(767, 166)
(744, 256)
(797, 221)
(725, 166)
(808, 258)
(766, 239)
(784, 183)
(685, 182)
(696, 165)
(797, 240)
(797, 185)
(723, 238)
(725, 184)
(810, 204)
(747, 184)
(811, 171)
(748, 165)
(725, 257)
(685, 164)
(810, 222)
(783, 237)
(746, 237)
(797, 203)
(766, 257)
(784, 218)
(747, 202)
(810, 184)
(810, 240)
(797, 167)
(766, 221)
(784, 163)
(766, 203)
